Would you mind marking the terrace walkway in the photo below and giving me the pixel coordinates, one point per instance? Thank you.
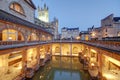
(108, 45)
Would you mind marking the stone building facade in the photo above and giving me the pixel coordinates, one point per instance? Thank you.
(69, 33)
(24, 47)
(43, 20)
(25, 9)
(17, 23)
(95, 33)
(84, 35)
(20, 39)
(110, 28)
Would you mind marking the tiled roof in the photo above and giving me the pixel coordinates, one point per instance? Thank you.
(84, 32)
(70, 28)
(14, 19)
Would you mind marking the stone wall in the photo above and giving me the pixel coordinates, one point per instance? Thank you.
(29, 11)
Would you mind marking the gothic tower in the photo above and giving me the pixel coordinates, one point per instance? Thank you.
(43, 13)
(55, 23)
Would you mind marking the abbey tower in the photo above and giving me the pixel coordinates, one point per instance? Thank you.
(43, 13)
(43, 20)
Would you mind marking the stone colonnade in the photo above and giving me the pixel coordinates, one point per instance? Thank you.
(26, 60)
(22, 62)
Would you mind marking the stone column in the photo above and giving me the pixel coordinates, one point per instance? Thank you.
(24, 62)
(26, 38)
(40, 36)
(38, 55)
(100, 63)
(51, 49)
(89, 54)
(60, 49)
(70, 49)
(16, 36)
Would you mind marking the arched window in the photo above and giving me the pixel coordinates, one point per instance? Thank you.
(11, 35)
(33, 37)
(16, 7)
(118, 33)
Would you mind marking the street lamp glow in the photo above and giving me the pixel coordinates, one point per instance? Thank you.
(92, 64)
(78, 37)
(10, 38)
(93, 34)
(85, 55)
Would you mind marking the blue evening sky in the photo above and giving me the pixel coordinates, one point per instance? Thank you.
(80, 13)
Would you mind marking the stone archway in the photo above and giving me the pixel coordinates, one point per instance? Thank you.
(21, 31)
(57, 50)
(33, 37)
(11, 35)
(75, 50)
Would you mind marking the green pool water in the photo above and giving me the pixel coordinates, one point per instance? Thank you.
(62, 68)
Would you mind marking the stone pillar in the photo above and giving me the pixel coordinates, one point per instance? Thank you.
(40, 51)
(70, 49)
(26, 38)
(45, 50)
(60, 49)
(7, 35)
(89, 52)
(51, 49)
(47, 37)
(100, 63)
(38, 55)
(40, 36)
(24, 62)
(16, 36)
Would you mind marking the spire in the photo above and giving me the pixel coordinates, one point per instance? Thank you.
(55, 19)
(38, 8)
(45, 6)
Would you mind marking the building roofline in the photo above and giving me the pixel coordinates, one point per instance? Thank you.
(77, 28)
(31, 4)
(116, 19)
(111, 15)
(14, 19)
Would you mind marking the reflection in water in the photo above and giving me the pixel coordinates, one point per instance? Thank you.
(62, 68)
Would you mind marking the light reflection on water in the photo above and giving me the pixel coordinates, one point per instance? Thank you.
(62, 68)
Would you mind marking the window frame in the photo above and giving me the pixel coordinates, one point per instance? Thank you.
(13, 5)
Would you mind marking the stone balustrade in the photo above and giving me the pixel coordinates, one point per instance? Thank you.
(112, 45)
(14, 44)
